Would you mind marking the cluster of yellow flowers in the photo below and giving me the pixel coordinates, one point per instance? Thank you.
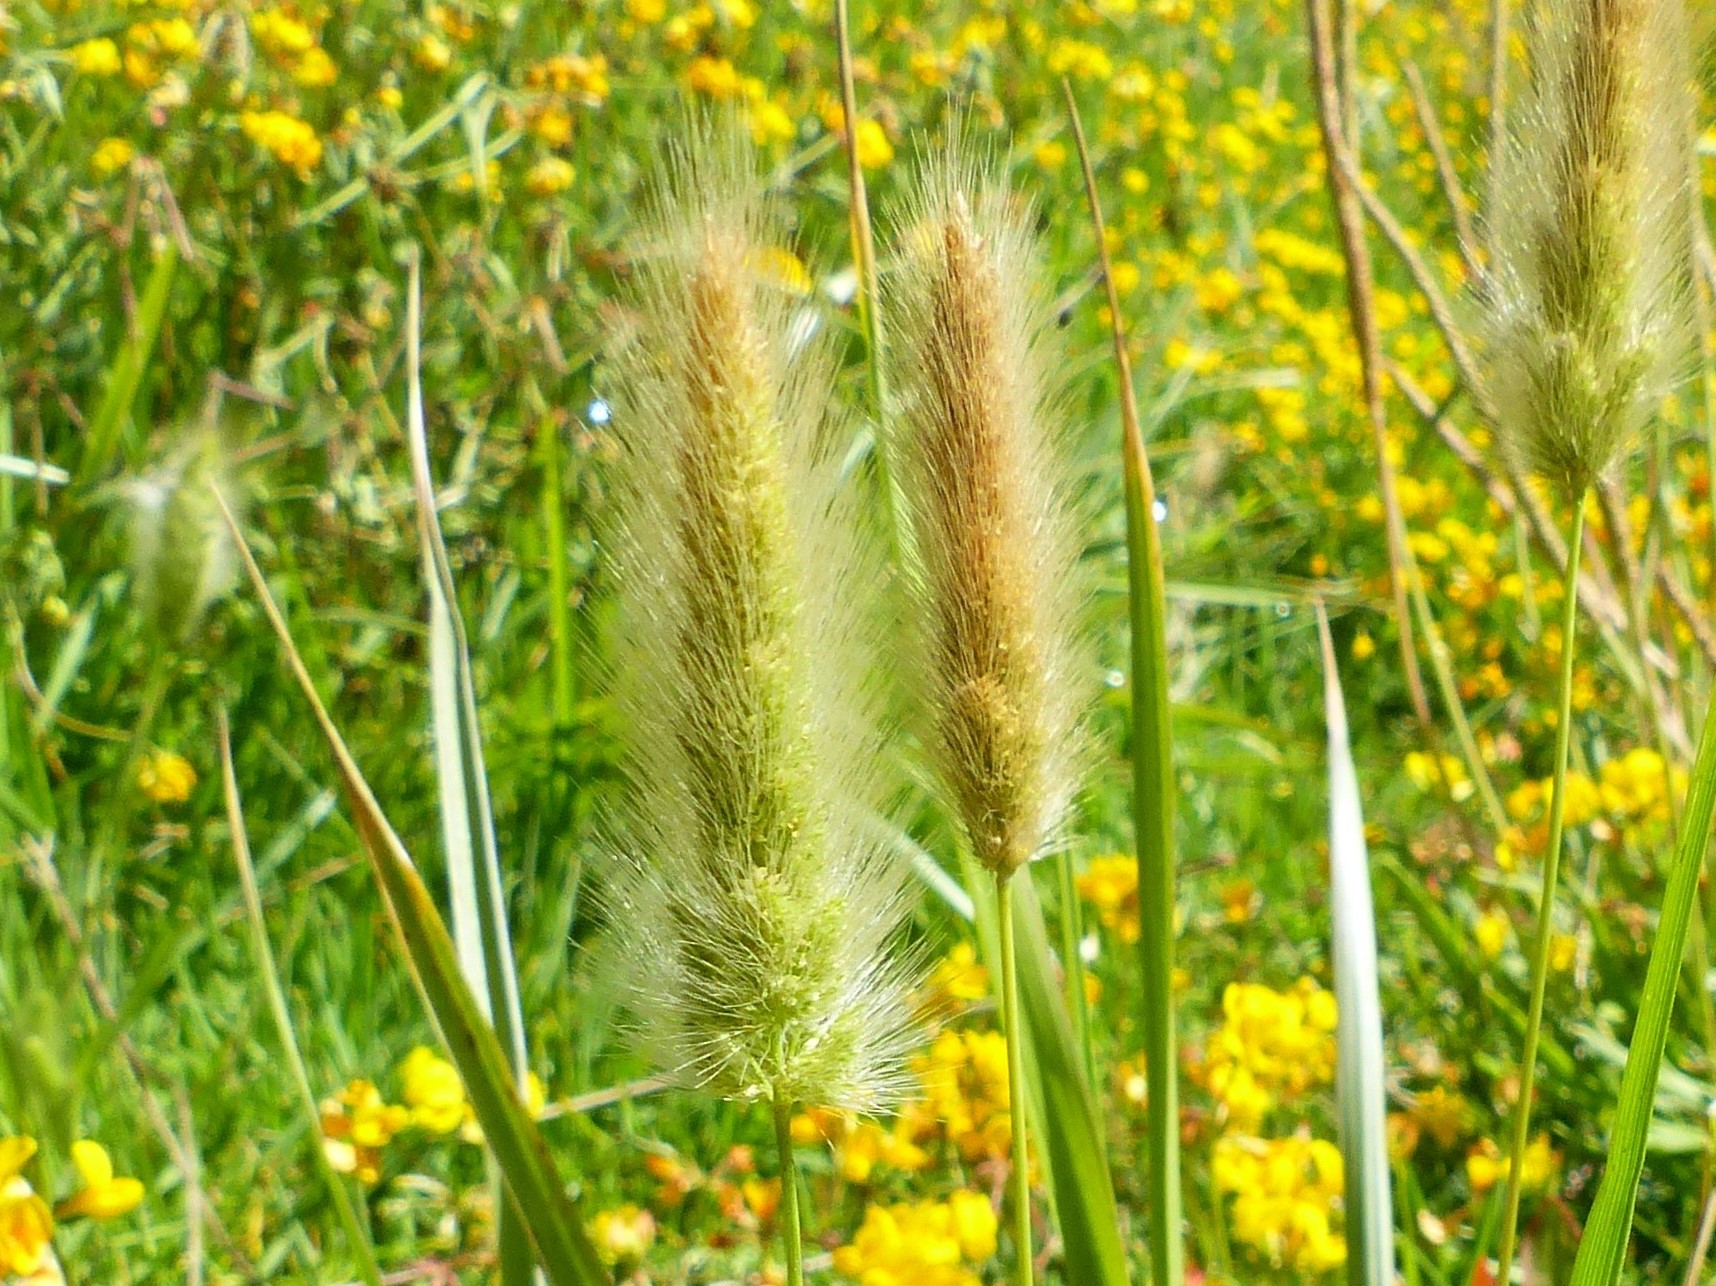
(27, 1223)
(964, 1079)
(1284, 1191)
(1110, 884)
(358, 1122)
(151, 48)
(1272, 1047)
(1486, 1166)
(293, 46)
(287, 139)
(860, 1145)
(1630, 796)
(924, 1243)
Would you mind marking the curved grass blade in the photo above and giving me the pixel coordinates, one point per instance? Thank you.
(477, 895)
(1603, 1250)
(1152, 780)
(1069, 1130)
(563, 1248)
(362, 1251)
(1361, 1071)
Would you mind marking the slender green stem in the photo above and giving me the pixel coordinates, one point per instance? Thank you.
(869, 293)
(1073, 963)
(792, 1235)
(1020, 1179)
(263, 955)
(1546, 899)
(565, 688)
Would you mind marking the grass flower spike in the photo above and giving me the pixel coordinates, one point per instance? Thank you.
(1587, 319)
(758, 909)
(996, 580)
(997, 588)
(1587, 322)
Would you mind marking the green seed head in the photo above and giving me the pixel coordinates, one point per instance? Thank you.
(182, 554)
(756, 908)
(1587, 320)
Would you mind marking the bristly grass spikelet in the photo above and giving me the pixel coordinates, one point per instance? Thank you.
(996, 588)
(1587, 321)
(182, 554)
(995, 581)
(1586, 314)
(756, 906)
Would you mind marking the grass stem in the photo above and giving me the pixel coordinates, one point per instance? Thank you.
(792, 1233)
(1153, 786)
(1546, 899)
(1020, 1180)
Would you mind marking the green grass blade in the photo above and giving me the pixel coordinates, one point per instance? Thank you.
(1152, 780)
(1603, 1250)
(477, 894)
(1361, 1070)
(263, 953)
(563, 1247)
(1070, 1135)
(126, 374)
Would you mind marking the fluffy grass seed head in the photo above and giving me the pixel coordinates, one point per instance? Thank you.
(756, 910)
(997, 586)
(1586, 303)
(182, 554)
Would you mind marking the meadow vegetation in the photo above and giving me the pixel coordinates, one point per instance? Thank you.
(751, 627)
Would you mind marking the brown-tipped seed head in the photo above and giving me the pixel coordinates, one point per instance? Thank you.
(996, 592)
(1587, 320)
(755, 907)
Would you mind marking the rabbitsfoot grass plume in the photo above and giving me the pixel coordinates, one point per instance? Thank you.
(756, 908)
(995, 587)
(1586, 318)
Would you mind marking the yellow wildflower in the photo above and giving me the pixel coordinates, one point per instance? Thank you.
(278, 32)
(113, 154)
(1486, 1166)
(874, 149)
(315, 70)
(1111, 886)
(713, 77)
(356, 1125)
(433, 1091)
(549, 176)
(647, 12)
(623, 1234)
(1491, 932)
(166, 777)
(26, 1224)
(432, 53)
(102, 1196)
(1285, 1194)
(959, 977)
(926, 1243)
(1272, 1045)
(99, 57)
(290, 141)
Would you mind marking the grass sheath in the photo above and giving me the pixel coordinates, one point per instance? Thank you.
(1152, 779)
(1019, 1176)
(1521, 1131)
(792, 1231)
